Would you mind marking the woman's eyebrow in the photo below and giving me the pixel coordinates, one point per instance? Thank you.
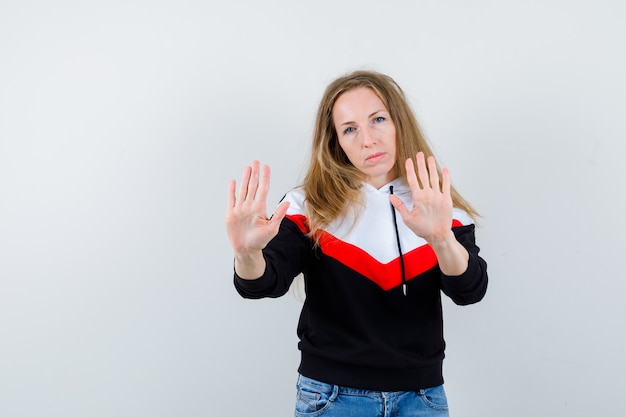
(372, 114)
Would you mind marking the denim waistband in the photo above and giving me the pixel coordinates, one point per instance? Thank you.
(338, 389)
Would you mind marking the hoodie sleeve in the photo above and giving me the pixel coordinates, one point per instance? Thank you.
(471, 286)
(284, 259)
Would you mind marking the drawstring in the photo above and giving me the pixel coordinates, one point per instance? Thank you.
(395, 224)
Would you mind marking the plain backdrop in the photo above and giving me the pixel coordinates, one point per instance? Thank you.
(121, 123)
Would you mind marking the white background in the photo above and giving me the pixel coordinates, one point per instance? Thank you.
(121, 123)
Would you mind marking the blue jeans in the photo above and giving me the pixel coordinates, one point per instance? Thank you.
(316, 399)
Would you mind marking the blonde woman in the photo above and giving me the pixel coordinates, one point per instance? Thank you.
(378, 233)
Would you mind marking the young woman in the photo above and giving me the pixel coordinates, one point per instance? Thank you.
(377, 237)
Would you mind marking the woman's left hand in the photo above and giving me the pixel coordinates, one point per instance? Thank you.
(431, 214)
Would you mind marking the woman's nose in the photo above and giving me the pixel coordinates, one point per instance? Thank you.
(369, 137)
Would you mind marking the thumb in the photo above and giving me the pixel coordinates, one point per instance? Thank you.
(279, 213)
(397, 203)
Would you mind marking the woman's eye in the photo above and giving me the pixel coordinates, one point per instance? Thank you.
(348, 130)
(379, 119)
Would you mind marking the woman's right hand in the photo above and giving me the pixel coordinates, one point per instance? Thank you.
(248, 226)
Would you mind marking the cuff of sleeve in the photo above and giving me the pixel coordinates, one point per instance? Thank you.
(470, 286)
(253, 288)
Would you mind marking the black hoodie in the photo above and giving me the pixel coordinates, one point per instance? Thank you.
(359, 327)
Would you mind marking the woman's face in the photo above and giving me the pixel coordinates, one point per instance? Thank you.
(366, 134)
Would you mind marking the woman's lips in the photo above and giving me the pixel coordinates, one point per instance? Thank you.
(375, 157)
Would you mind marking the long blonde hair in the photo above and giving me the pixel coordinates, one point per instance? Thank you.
(332, 184)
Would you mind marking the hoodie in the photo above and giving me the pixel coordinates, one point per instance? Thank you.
(372, 318)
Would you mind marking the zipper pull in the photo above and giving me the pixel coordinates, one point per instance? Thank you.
(404, 289)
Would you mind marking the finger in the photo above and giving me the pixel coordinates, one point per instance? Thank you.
(230, 200)
(243, 187)
(445, 182)
(411, 176)
(406, 214)
(422, 172)
(277, 217)
(399, 205)
(434, 174)
(264, 184)
(280, 212)
(253, 184)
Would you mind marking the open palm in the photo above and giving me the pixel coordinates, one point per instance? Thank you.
(248, 226)
(431, 214)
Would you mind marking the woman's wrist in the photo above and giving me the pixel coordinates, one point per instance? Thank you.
(249, 265)
(452, 257)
